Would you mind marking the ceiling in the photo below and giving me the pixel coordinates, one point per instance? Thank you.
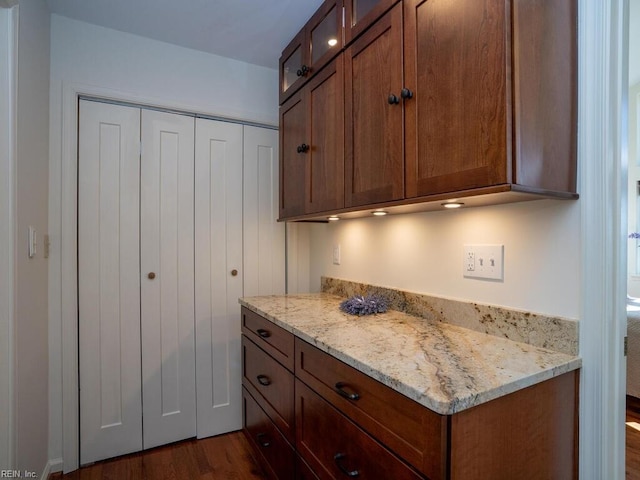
(253, 31)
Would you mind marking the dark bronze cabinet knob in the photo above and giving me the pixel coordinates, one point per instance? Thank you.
(303, 70)
(406, 93)
(234, 272)
(304, 148)
(393, 100)
(151, 275)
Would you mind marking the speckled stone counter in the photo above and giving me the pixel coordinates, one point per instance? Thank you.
(444, 367)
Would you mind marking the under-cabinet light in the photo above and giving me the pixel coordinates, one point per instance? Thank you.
(379, 213)
(333, 218)
(452, 204)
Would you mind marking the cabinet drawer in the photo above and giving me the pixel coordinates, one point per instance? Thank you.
(303, 471)
(412, 431)
(271, 384)
(277, 455)
(335, 447)
(276, 341)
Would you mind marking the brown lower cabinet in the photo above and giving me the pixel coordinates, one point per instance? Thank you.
(275, 453)
(322, 419)
(335, 447)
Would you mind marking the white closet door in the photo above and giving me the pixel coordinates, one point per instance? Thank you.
(108, 281)
(167, 299)
(264, 237)
(219, 274)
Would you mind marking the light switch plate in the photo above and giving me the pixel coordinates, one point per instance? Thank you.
(483, 262)
(33, 241)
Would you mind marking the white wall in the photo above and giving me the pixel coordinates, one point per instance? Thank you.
(89, 59)
(423, 253)
(633, 285)
(159, 73)
(32, 174)
(8, 64)
(634, 42)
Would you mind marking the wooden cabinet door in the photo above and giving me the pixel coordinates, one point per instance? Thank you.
(319, 41)
(325, 158)
(374, 135)
(294, 65)
(293, 156)
(458, 123)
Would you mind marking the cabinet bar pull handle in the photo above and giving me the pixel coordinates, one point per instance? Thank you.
(263, 443)
(264, 380)
(263, 333)
(340, 389)
(406, 93)
(393, 100)
(349, 473)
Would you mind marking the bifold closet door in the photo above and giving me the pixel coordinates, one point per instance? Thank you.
(264, 237)
(167, 283)
(219, 275)
(109, 281)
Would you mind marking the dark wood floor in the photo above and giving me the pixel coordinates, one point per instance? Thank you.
(225, 457)
(633, 440)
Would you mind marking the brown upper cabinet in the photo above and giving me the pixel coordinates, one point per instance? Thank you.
(314, 46)
(494, 95)
(443, 100)
(312, 146)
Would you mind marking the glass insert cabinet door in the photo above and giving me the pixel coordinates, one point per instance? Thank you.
(325, 36)
(312, 48)
(361, 8)
(292, 68)
(360, 14)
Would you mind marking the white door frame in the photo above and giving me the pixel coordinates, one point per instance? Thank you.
(602, 91)
(8, 123)
(602, 76)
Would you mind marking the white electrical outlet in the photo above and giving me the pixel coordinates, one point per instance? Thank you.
(483, 261)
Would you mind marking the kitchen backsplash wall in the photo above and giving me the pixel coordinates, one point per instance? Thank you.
(555, 333)
(423, 253)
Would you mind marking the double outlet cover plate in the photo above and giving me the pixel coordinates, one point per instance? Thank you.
(483, 261)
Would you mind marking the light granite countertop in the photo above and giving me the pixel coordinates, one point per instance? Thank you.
(444, 367)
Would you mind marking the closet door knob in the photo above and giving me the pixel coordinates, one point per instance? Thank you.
(234, 273)
(151, 275)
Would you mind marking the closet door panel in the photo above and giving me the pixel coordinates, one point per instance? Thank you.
(219, 275)
(264, 237)
(108, 281)
(167, 283)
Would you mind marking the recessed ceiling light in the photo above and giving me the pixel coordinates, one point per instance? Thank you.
(333, 42)
(452, 204)
(333, 218)
(379, 213)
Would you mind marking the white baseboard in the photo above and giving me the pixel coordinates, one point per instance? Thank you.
(52, 466)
